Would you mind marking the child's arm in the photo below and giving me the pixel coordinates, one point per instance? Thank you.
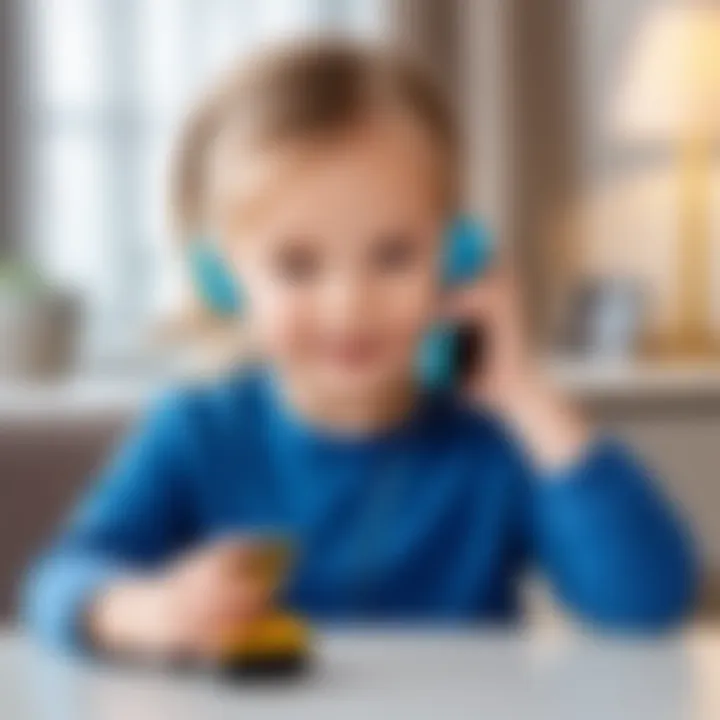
(131, 522)
(612, 546)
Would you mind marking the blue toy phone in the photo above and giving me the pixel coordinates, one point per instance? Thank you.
(447, 352)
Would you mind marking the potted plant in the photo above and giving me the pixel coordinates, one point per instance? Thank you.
(39, 324)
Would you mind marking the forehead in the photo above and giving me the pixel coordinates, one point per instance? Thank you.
(385, 168)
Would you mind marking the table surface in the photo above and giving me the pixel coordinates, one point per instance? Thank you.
(393, 674)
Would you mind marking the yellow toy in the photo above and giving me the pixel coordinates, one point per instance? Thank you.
(277, 643)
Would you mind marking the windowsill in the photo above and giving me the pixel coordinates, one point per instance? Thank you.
(83, 398)
(75, 399)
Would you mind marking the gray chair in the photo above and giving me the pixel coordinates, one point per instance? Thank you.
(44, 467)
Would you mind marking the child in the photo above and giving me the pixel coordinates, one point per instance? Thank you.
(326, 176)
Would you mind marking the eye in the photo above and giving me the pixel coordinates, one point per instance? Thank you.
(395, 252)
(297, 264)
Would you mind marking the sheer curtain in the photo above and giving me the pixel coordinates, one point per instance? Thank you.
(109, 80)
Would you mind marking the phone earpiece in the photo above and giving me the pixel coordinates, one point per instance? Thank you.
(448, 350)
(213, 280)
(467, 252)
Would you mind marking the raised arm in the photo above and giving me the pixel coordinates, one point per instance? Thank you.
(614, 548)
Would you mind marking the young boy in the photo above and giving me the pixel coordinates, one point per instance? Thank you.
(326, 176)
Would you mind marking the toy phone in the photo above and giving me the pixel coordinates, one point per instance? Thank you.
(278, 643)
(447, 352)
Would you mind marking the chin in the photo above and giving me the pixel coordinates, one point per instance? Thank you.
(361, 382)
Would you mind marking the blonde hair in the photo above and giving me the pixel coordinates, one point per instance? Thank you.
(297, 94)
(300, 93)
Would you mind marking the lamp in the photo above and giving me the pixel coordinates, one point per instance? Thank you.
(670, 98)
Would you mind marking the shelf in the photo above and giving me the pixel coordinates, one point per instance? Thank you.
(641, 380)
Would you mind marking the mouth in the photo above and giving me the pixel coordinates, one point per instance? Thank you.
(354, 353)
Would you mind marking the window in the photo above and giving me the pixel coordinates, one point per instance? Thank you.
(109, 81)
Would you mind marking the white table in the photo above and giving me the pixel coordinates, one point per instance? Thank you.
(394, 674)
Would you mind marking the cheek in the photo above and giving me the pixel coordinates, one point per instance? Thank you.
(285, 327)
(278, 319)
(406, 306)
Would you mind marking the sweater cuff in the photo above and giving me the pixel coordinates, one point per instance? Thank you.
(600, 450)
(59, 595)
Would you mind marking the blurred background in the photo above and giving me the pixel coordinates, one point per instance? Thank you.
(593, 136)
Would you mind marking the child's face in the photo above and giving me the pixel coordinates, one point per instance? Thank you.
(340, 270)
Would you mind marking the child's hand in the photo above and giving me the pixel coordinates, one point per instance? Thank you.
(493, 305)
(508, 378)
(187, 610)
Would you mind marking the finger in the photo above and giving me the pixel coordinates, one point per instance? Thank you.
(207, 557)
(231, 601)
(213, 563)
(226, 622)
(210, 634)
(252, 555)
(244, 601)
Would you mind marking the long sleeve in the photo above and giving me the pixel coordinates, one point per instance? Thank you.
(614, 549)
(133, 518)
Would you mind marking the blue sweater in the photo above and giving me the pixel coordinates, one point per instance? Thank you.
(434, 520)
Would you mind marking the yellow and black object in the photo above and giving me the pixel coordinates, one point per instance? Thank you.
(276, 643)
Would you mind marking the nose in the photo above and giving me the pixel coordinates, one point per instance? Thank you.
(346, 301)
